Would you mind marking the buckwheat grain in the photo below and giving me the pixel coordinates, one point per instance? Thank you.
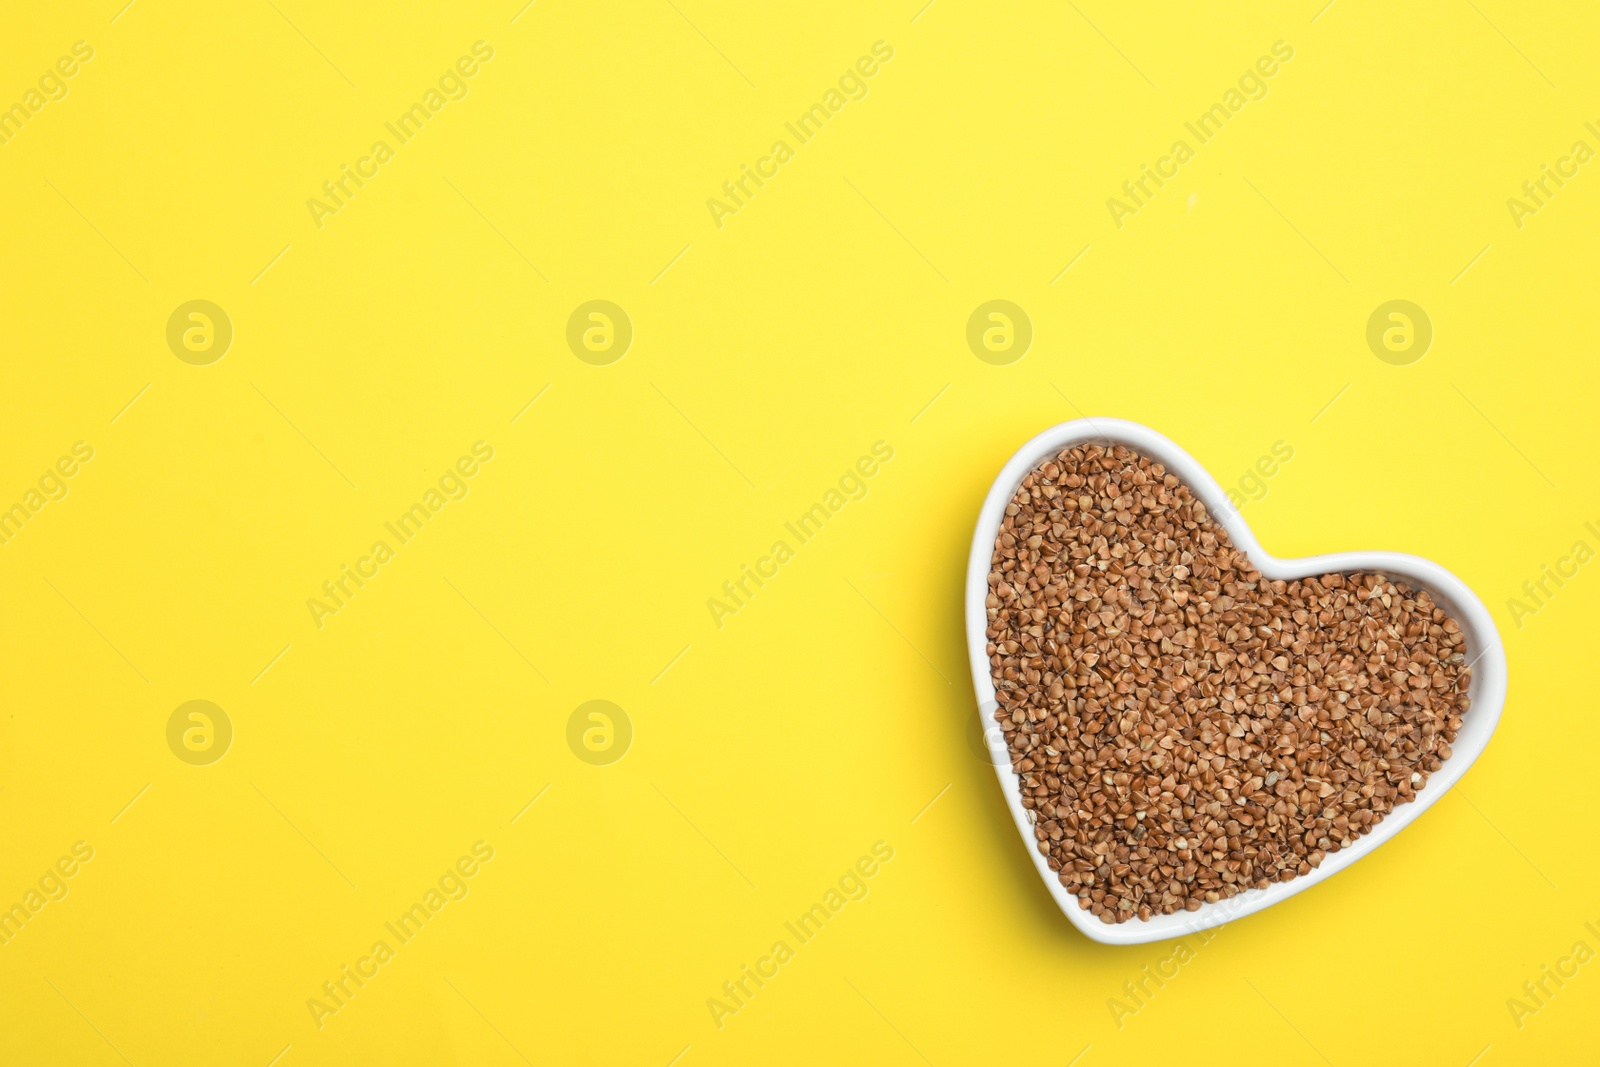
(1185, 730)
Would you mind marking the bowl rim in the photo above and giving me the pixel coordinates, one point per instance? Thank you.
(1486, 655)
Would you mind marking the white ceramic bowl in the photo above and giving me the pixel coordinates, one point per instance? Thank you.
(1483, 650)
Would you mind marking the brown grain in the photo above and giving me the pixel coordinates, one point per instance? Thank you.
(1183, 729)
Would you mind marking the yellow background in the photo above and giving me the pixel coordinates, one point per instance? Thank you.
(768, 356)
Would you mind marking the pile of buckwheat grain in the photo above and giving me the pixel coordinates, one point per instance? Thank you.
(1184, 729)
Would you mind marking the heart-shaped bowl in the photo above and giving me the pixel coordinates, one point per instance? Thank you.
(1485, 654)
